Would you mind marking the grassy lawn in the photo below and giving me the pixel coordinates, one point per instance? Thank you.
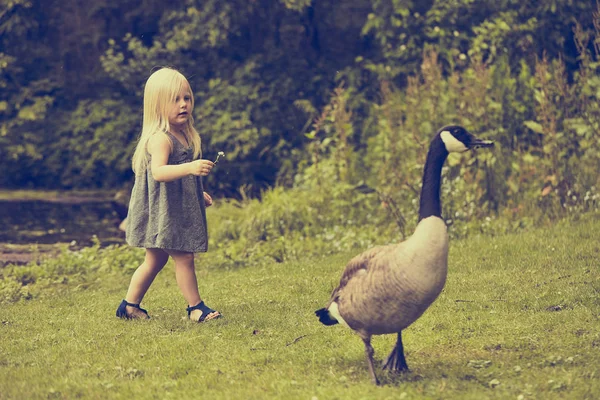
(518, 319)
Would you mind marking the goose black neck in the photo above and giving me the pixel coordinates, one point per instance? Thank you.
(430, 203)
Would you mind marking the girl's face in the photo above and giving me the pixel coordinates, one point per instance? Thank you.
(181, 109)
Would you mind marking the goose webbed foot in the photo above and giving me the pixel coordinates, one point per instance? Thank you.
(369, 353)
(396, 361)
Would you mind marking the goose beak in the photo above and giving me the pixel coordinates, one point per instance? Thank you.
(477, 143)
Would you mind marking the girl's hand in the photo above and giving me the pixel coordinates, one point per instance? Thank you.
(200, 167)
(207, 199)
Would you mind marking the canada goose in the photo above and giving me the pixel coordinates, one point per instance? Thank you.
(385, 289)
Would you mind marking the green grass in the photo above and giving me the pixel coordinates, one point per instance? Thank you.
(519, 318)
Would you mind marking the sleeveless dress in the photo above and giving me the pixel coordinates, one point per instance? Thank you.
(168, 215)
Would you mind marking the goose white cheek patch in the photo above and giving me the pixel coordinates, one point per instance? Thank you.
(453, 145)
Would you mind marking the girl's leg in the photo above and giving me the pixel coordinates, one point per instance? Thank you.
(143, 277)
(185, 273)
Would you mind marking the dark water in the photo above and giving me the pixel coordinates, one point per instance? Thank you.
(49, 222)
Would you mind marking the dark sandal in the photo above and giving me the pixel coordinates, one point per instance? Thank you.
(206, 311)
(122, 310)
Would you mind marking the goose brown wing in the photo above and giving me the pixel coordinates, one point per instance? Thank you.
(357, 265)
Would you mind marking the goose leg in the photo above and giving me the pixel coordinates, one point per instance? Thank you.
(369, 353)
(396, 361)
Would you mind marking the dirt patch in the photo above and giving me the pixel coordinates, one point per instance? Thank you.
(38, 224)
(70, 197)
(24, 254)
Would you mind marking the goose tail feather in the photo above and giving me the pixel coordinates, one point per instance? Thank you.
(325, 317)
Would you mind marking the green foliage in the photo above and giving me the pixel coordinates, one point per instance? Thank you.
(496, 36)
(298, 5)
(533, 166)
(236, 89)
(567, 113)
(81, 268)
(331, 134)
(292, 224)
(96, 142)
(485, 29)
(48, 66)
(91, 148)
(252, 63)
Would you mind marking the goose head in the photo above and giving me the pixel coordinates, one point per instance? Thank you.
(458, 140)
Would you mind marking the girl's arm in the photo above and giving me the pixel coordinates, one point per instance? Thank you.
(159, 147)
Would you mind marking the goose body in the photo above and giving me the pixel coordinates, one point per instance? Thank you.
(385, 289)
(416, 269)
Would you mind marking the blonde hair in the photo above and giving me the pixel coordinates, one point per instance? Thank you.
(161, 90)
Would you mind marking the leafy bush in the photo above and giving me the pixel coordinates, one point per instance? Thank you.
(349, 195)
(291, 224)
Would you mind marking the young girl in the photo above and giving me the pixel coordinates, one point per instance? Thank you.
(167, 213)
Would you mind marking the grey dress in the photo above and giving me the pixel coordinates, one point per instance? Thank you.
(168, 215)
